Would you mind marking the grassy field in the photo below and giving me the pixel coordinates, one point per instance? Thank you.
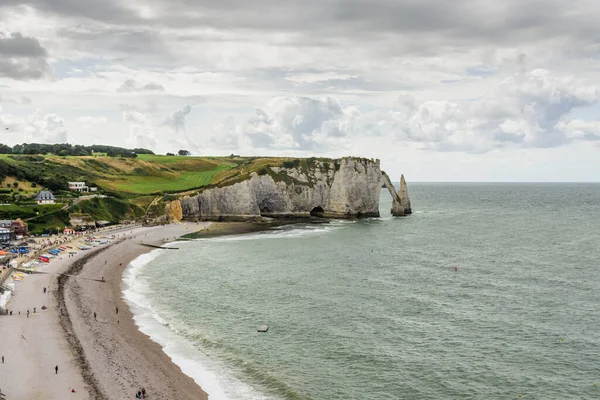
(164, 183)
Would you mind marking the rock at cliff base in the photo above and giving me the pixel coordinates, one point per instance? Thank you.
(404, 199)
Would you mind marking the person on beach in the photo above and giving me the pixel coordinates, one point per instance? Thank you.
(28, 313)
(44, 290)
(116, 309)
(56, 370)
(2, 359)
(95, 316)
(143, 390)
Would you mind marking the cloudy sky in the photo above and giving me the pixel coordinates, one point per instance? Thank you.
(463, 90)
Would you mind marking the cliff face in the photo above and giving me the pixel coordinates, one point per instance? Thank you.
(344, 188)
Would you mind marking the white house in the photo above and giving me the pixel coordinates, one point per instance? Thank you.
(45, 197)
(78, 186)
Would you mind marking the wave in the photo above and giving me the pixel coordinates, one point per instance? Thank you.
(209, 374)
(278, 233)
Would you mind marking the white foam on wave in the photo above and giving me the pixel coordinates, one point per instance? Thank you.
(211, 375)
(4, 298)
(281, 233)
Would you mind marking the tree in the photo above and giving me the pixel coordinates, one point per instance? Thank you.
(183, 153)
(56, 183)
(170, 154)
(142, 151)
(4, 149)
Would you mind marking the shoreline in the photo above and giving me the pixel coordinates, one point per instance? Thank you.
(102, 356)
(123, 359)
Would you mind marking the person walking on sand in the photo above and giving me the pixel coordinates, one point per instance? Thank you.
(116, 309)
(2, 359)
(95, 316)
(28, 313)
(56, 370)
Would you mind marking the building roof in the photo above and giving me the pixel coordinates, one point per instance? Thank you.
(4, 230)
(20, 222)
(5, 222)
(45, 195)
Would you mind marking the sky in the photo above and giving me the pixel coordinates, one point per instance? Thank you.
(463, 90)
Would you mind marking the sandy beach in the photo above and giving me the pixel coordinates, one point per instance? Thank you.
(105, 357)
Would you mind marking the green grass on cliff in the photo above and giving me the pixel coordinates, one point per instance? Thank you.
(134, 185)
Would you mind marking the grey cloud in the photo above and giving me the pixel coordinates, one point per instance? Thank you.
(17, 45)
(591, 137)
(130, 85)
(21, 100)
(177, 119)
(22, 57)
(105, 11)
(434, 22)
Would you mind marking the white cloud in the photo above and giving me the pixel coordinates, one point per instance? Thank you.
(88, 120)
(301, 123)
(141, 128)
(526, 110)
(130, 85)
(376, 77)
(45, 128)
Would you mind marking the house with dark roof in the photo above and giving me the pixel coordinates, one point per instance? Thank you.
(45, 197)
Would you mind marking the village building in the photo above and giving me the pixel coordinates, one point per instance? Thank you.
(68, 232)
(6, 223)
(81, 187)
(5, 235)
(19, 227)
(78, 186)
(45, 197)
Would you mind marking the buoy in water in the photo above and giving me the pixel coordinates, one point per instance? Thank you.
(263, 328)
(456, 268)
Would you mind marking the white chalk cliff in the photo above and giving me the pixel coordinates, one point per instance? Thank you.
(344, 188)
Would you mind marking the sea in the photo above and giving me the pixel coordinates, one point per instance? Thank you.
(487, 291)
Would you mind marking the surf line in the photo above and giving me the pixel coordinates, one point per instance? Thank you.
(159, 247)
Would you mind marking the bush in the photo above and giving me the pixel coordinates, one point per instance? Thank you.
(291, 163)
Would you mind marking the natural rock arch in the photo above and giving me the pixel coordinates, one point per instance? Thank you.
(400, 201)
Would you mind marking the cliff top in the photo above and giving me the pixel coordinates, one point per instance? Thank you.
(146, 175)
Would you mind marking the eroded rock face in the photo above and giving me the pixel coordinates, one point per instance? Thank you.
(344, 188)
(404, 199)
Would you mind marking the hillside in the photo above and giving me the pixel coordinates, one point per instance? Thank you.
(135, 187)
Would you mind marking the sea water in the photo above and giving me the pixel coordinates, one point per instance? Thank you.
(487, 291)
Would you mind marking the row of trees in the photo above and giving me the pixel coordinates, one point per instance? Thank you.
(66, 149)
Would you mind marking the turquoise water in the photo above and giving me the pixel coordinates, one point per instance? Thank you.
(374, 309)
